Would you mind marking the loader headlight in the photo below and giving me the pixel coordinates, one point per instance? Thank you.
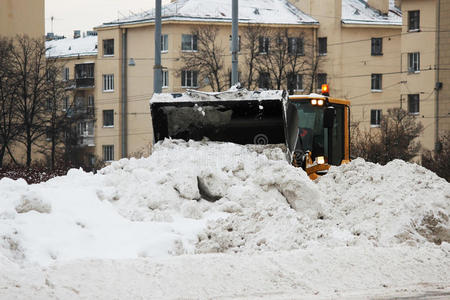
(320, 102)
(320, 160)
(314, 101)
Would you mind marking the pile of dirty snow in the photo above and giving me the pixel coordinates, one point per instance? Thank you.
(204, 197)
(189, 199)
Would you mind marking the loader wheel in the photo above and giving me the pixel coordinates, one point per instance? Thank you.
(261, 139)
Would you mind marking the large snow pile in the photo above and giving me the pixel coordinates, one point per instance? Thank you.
(201, 197)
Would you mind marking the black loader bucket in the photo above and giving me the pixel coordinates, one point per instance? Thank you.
(238, 121)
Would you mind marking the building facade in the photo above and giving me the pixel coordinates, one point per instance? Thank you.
(22, 17)
(425, 53)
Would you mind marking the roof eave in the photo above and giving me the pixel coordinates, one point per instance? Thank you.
(188, 19)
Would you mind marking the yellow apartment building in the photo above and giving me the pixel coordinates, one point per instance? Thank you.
(363, 55)
(78, 56)
(22, 17)
(425, 57)
(363, 48)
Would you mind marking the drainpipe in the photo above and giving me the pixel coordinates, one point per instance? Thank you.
(437, 144)
(235, 42)
(124, 94)
(157, 68)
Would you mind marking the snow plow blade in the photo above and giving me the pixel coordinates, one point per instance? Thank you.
(249, 119)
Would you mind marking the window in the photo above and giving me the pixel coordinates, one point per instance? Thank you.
(295, 82)
(323, 46)
(413, 103)
(189, 78)
(66, 73)
(108, 47)
(375, 117)
(231, 43)
(49, 105)
(165, 78)
(264, 80)
(295, 46)
(65, 104)
(376, 82)
(413, 20)
(84, 71)
(264, 45)
(108, 83)
(377, 46)
(108, 152)
(86, 128)
(321, 79)
(90, 101)
(414, 62)
(108, 118)
(164, 43)
(189, 42)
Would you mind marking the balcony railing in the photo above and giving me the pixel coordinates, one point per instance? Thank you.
(86, 141)
(85, 82)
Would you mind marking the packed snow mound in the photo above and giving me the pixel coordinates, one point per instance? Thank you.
(207, 197)
(397, 202)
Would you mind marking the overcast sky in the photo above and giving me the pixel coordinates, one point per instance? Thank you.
(86, 14)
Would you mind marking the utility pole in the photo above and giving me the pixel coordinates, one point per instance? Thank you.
(235, 42)
(157, 68)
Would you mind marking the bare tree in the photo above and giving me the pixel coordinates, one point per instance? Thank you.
(395, 139)
(285, 58)
(439, 161)
(207, 58)
(30, 68)
(252, 45)
(8, 92)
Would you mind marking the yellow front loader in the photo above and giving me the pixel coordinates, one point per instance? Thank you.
(313, 128)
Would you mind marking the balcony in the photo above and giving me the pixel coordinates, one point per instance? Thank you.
(84, 83)
(84, 76)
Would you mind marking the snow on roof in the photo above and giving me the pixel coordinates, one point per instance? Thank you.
(250, 11)
(359, 12)
(83, 46)
(230, 95)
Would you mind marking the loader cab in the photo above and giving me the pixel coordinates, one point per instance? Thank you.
(323, 132)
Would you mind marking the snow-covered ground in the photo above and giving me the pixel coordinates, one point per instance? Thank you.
(223, 221)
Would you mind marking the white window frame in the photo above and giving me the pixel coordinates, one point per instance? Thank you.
(375, 90)
(414, 62)
(164, 43)
(192, 44)
(264, 44)
(414, 97)
(66, 74)
(321, 52)
(378, 114)
(104, 119)
(416, 29)
(165, 79)
(91, 101)
(108, 153)
(86, 128)
(294, 44)
(184, 84)
(113, 49)
(108, 83)
(374, 48)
